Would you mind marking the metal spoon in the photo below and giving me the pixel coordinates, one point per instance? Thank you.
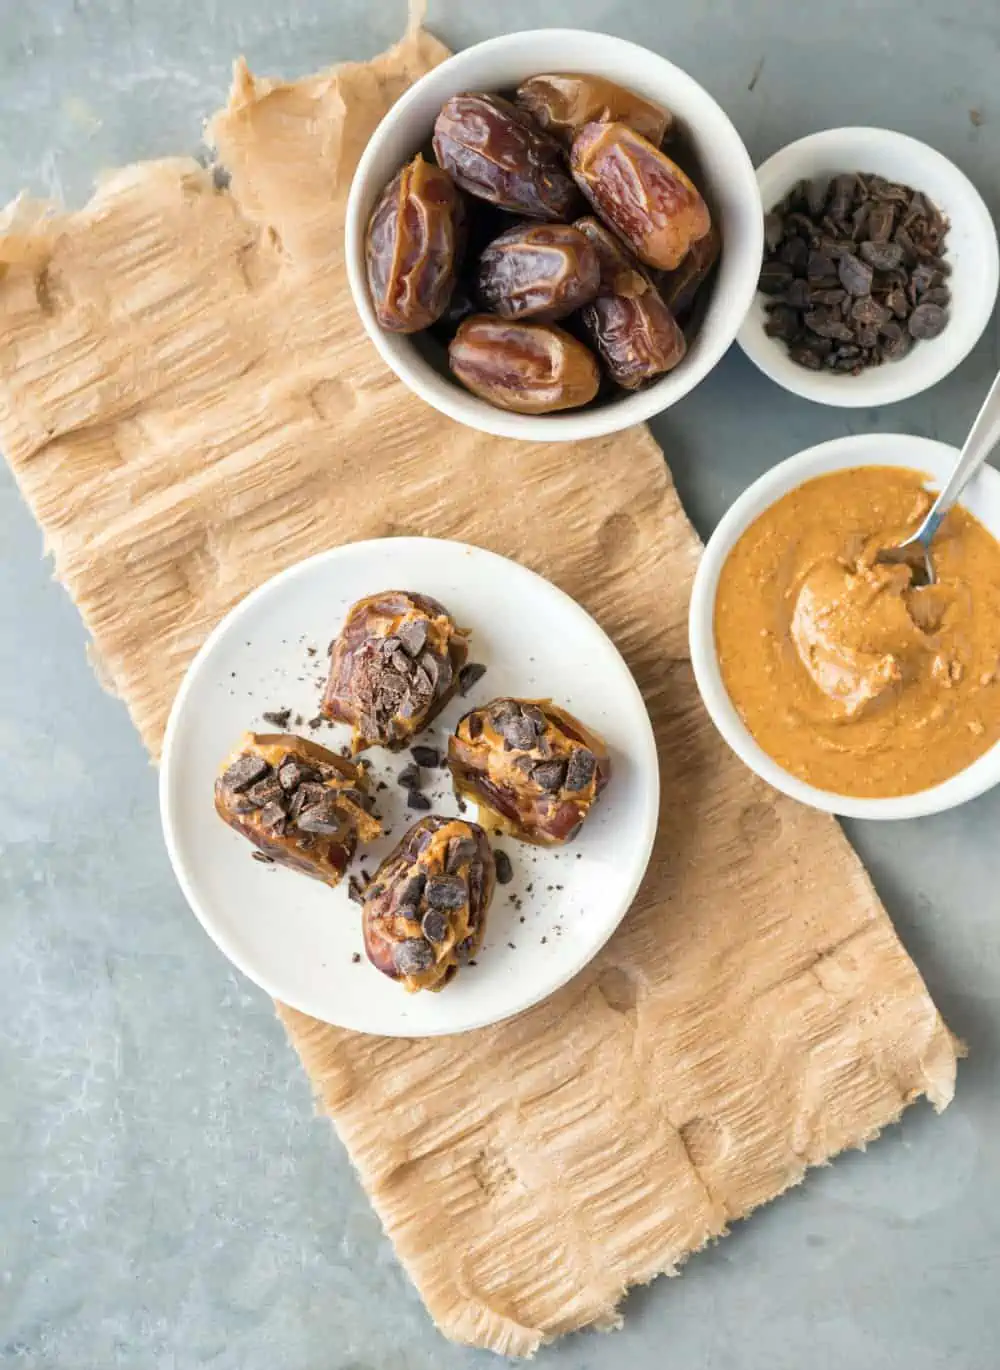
(983, 437)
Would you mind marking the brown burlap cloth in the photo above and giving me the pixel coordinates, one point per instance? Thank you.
(189, 405)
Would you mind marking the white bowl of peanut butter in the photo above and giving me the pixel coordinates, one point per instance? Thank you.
(835, 679)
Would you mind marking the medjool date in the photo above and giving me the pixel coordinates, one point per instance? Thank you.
(538, 271)
(632, 330)
(529, 368)
(494, 151)
(644, 196)
(413, 247)
(562, 103)
(301, 805)
(531, 767)
(424, 912)
(393, 668)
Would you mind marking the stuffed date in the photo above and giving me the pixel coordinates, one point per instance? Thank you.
(561, 103)
(538, 271)
(424, 912)
(639, 192)
(532, 768)
(393, 668)
(494, 151)
(413, 247)
(301, 805)
(529, 368)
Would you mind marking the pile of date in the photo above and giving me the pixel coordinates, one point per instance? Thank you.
(490, 244)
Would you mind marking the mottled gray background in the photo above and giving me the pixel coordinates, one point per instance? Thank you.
(167, 1198)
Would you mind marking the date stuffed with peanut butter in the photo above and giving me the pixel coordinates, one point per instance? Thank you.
(301, 805)
(393, 668)
(634, 333)
(644, 196)
(424, 913)
(494, 151)
(538, 271)
(413, 247)
(531, 767)
(529, 368)
(562, 103)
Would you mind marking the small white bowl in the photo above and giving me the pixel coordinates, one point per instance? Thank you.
(729, 184)
(971, 251)
(936, 459)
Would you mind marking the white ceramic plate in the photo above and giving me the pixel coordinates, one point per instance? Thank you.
(297, 938)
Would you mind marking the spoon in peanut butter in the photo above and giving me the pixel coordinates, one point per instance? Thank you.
(983, 437)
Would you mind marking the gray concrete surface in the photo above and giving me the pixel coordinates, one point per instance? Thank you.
(167, 1198)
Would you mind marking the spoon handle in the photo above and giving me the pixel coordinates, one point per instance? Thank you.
(983, 437)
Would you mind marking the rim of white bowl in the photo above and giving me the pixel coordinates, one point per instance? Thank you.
(445, 395)
(862, 449)
(921, 367)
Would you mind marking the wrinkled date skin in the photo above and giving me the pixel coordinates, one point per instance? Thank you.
(494, 151)
(300, 804)
(679, 288)
(529, 368)
(634, 333)
(562, 103)
(393, 668)
(640, 193)
(531, 767)
(413, 247)
(424, 913)
(538, 271)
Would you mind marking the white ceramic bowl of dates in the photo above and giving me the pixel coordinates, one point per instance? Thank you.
(586, 369)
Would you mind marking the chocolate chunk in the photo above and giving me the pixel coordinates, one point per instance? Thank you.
(413, 956)
(505, 871)
(279, 717)
(469, 675)
(323, 818)
(927, 321)
(263, 858)
(882, 256)
(272, 817)
(445, 892)
(855, 275)
(416, 800)
(308, 793)
(475, 726)
(410, 777)
(446, 673)
(316, 722)
(549, 774)
(869, 313)
(460, 850)
(292, 773)
(244, 771)
(413, 635)
(355, 890)
(436, 926)
(782, 322)
(363, 801)
(266, 791)
(581, 768)
(775, 277)
(502, 710)
(388, 646)
(519, 732)
(426, 756)
(431, 666)
(402, 663)
(412, 891)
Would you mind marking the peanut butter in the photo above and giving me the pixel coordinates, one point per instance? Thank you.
(850, 675)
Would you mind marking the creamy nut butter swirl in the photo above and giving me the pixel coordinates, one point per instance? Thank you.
(848, 674)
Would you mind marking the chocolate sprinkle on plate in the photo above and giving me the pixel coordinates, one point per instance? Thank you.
(505, 871)
(278, 717)
(416, 800)
(425, 756)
